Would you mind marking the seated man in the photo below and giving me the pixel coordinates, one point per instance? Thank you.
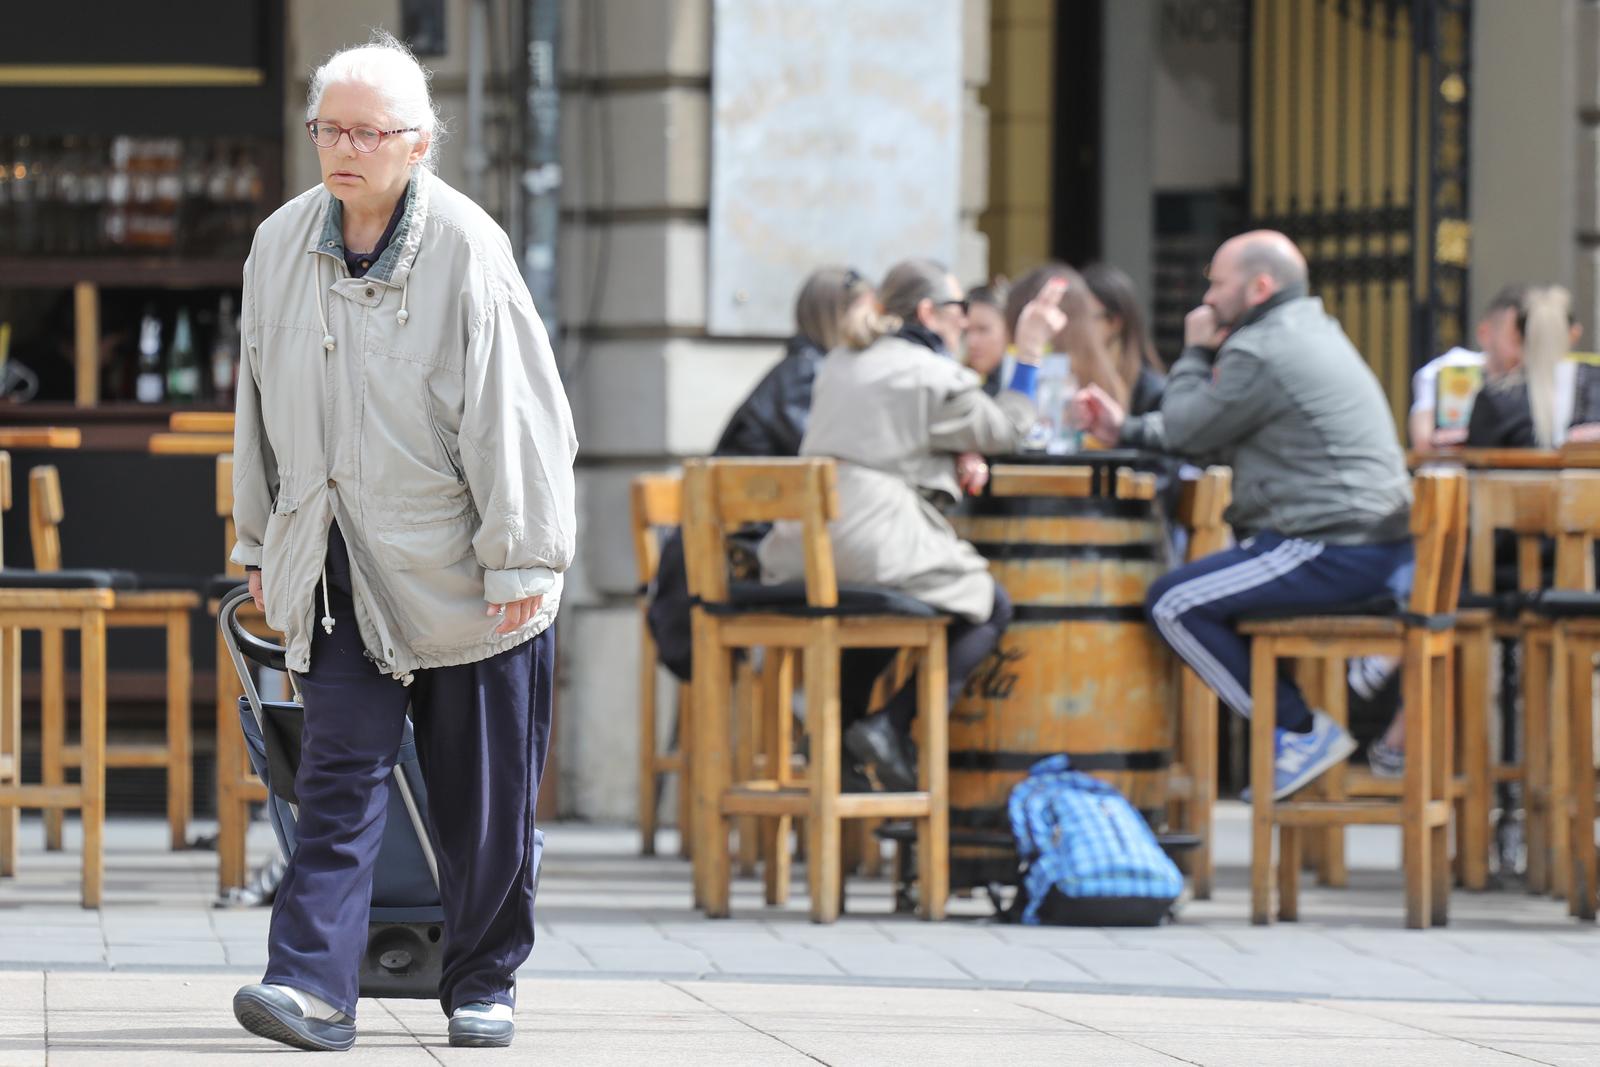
(1269, 384)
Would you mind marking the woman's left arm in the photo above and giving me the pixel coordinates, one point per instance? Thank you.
(517, 450)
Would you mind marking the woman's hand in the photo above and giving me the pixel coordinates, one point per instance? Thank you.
(1040, 322)
(255, 592)
(1097, 414)
(972, 473)
(515, 615)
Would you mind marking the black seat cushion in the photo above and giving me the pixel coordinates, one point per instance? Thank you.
(1507, 604)
(18, 578)
(1566, 604)
(789, 598)
(1385, 606)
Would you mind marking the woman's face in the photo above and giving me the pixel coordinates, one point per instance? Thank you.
(1107, 327)
(986, 338)
(946, 316)
(365, 180)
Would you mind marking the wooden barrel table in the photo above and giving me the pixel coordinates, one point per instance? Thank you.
(1079, 671)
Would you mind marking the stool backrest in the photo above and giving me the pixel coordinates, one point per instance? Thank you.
(44, 517)
(1439, 530)
(225, 512)
(657, 504)
(724, 494)
(5, 499)
(1202, 503)
(1522, 503)
(1577, 523)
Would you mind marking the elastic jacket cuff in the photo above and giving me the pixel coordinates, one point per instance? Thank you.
(246, 555)
(1025, 379)
(503, 587)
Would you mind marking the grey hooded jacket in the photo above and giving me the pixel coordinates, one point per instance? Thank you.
(420, 407)
(1292, 407)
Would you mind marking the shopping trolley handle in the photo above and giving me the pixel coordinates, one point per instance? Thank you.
(258, 650)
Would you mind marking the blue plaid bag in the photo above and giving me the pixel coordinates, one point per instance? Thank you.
(1088, 858)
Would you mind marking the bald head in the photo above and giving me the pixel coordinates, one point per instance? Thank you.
(1249, 270)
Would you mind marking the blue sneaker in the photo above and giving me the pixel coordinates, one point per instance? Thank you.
(1300, 758)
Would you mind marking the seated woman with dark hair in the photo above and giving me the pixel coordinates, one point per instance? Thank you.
(898, 413)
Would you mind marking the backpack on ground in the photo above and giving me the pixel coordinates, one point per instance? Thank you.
(1088, 858)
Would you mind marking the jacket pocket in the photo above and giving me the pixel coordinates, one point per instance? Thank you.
(427, 544)
(450, 460)
(277, 559)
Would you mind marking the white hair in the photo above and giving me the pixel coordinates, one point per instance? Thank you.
(387, 66)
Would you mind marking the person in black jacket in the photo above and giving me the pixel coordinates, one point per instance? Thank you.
(772, 419)
(1114, 306)
(770, 422)
(1530, 330)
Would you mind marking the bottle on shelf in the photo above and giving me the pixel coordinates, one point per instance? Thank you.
(183, 363)
(224, 353)
(149, 387)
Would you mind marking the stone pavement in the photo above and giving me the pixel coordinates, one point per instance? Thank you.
(625, 970)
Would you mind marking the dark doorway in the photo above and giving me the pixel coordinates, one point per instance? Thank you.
(1075, 188)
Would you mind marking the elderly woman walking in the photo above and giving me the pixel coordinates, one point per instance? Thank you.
(404, 499)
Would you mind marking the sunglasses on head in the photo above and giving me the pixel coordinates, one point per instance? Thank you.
(964, 305)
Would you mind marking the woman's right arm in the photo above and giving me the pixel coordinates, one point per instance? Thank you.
(255, 468)
(967, 419)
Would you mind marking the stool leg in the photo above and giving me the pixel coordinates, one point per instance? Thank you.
(781, 755)
(10, 741)
(713, 682)
(1557, 807)
(648, 743)
(1580, 679)
(1290, 840)
(1472, 704)
(746, 702)
(1440, 779)
(685, 775)
(1415, 853)
(180, 672)
(1336, 702)
(52, 724)
(1263, 715)
(1536, 757)
(93, 770)
(1200, 723)
(933, 832)
(822, 724)
(233, 814)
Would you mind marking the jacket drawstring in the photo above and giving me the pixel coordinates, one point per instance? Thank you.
(327, 605)
(322, 313)
(405, 287)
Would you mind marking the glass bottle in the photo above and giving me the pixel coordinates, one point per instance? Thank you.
(183, 363)
(149, 387)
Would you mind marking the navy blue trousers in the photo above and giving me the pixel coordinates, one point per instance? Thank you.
(1195, 606)
(482, 732)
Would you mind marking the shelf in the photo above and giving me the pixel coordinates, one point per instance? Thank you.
(121, 272)
(114, 427)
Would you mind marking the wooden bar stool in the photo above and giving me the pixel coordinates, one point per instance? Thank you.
(1573, 606)
(819, 619)
(168, 610)
(237, 785)
(1422, 637)
(10, 700)
(1193, 781)
(657, 507)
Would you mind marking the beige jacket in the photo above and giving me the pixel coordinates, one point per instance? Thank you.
(420, 407)
(895, 416)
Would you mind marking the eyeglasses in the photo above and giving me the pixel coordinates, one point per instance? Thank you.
(964, 305)
(325, 134)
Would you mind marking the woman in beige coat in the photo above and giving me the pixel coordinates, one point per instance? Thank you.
(908, 425)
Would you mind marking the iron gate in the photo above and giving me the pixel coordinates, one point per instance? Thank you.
(1357, 149)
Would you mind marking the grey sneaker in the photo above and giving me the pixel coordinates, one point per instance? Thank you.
(273, 1014)
(482, 1024)
(1386, 762)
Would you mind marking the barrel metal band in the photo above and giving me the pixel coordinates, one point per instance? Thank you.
(1155, 759)
(1078, 613)
(1000, 551)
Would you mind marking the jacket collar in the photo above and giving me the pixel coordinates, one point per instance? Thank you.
(919, 334)
(397, 260)
(1271, 304)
